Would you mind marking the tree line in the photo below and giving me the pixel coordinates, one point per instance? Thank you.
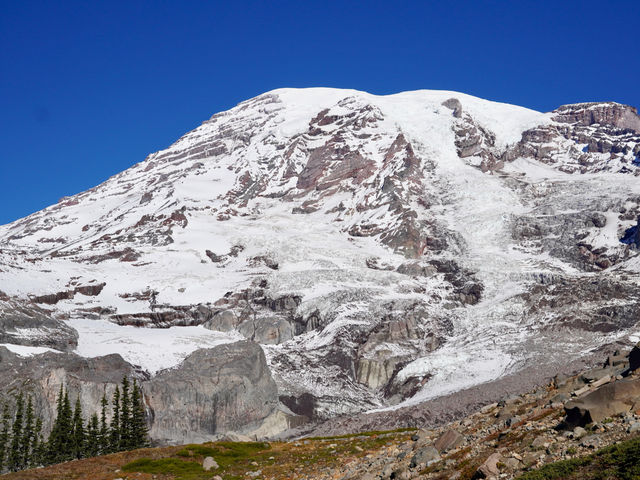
(22, 443)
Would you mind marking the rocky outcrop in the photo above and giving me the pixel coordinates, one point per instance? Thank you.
(24, 323)
(605, 113)
(609, 400)
(267, 330)
(221, 389)
(42, 376)
(585, 137)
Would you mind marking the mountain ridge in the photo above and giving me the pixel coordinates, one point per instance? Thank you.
(404, 246)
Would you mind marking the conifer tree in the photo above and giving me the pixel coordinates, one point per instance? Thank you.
(4, 435)
(125, 416)
(37, 446)
(27, 435)
(139, 432)
(60, 444)
(14, 462)
(114, 433)
(66, 430)
(103, 442)
(92, 445)
(78, 434)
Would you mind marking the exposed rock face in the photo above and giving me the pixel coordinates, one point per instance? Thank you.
(587, 137)
(41, 376)
(225, 388)
(24, 323)
(611, 114)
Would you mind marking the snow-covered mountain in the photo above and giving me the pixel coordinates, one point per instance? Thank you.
(383, 250)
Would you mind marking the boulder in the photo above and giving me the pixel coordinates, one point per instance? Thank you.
(608, 400)
(215, 390)
(512, 463)
(209, 464)
(539, 442)
(425, 456)
(489, 469)
(448, 440)
(579, 432)
(224, 321)
(267, 330)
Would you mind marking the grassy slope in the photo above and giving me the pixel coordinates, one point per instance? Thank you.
(619, 462)
(279, 460)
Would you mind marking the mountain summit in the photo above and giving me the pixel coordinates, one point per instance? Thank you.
(329, 252)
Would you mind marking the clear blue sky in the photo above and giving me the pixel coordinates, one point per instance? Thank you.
(89, 88)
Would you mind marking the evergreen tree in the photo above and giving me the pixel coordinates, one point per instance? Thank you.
(4, 435)
(27, 435)
(114, 433)
(103, 437)
(14, 462)
(60, 444)
(37, 446)
(139, 432)
(78, 434)
(92, 445)
(66, 430)
(125, 416)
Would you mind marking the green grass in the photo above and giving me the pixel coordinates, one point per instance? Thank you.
(620, 461)
(226, 454)
(181, 469)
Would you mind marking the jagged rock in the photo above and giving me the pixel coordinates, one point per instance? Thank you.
(225, 388)
(608, 400)
(448, 441)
